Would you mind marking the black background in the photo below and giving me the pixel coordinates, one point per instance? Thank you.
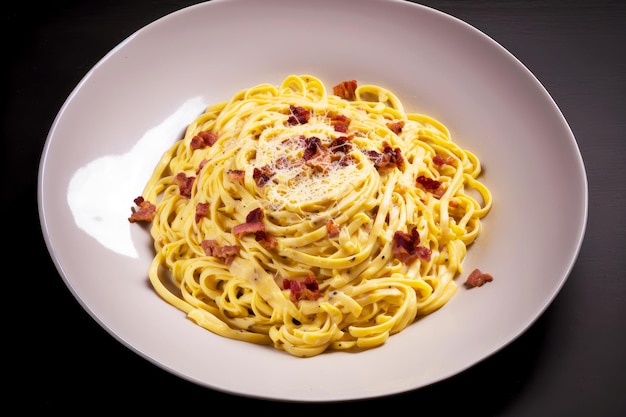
(570, 362)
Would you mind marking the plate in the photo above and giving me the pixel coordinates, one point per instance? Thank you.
(139, 98)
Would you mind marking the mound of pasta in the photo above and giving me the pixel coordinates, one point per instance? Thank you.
(309, 220)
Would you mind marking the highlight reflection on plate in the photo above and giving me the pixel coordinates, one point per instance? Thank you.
(140, 97)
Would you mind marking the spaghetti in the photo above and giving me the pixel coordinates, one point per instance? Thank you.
(309, 220)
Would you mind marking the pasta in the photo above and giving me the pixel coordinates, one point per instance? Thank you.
(311, 221)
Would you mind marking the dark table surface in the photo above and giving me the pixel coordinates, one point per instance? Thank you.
(570, 362)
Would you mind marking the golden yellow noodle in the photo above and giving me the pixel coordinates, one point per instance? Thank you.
(331, 201)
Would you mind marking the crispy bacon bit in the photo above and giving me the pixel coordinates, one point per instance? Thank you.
(340, 123)
(439, 192)
(203, 139)
(396, 127)
(236, 175)
(302, 289)
(346, 160)
(313, 148)
(346, 89)
(268, 241)
(388, 158)
(332, 227)
(341, 144)
(225, 253)
(440, 161)
(299, 115)
(255, 215)
(262, 175)
(423, 253)
(477, 278)
(253, 224)
(282, 162)
(184, 183)
(394, 156)
(145, 213)
(375, 157)
(316, 155)
(201, 211)
(428, 183)
(248, 228)
(202, 164)
(406, 247)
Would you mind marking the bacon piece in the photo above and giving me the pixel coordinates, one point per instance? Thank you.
(396, 127)
(203, 139)
(477, 278)
(440, 161)
(423, 253)
(340, 123)
(347, 160)
(255, 215)
(313, 148)
(315, 154)
(282, 162)
(262, 175)
(145, 213)
(437, 188)
(440, 191)
(346, 89)
(394, 156)
(253, 224)
(208, 246)
(428, 183)
(236, 175)
(299, 115)
(202, 164)
(388, 158)
(247, 228)
(201, 211)
(406, 247)
(375, 157)
(268, 241)
(302, 289)
(184, 183)
(341, 144)
(225, 253)
(332, 227)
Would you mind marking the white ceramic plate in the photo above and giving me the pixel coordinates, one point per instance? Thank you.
(139, 98)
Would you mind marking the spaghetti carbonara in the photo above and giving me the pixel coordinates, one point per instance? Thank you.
(309, 220)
